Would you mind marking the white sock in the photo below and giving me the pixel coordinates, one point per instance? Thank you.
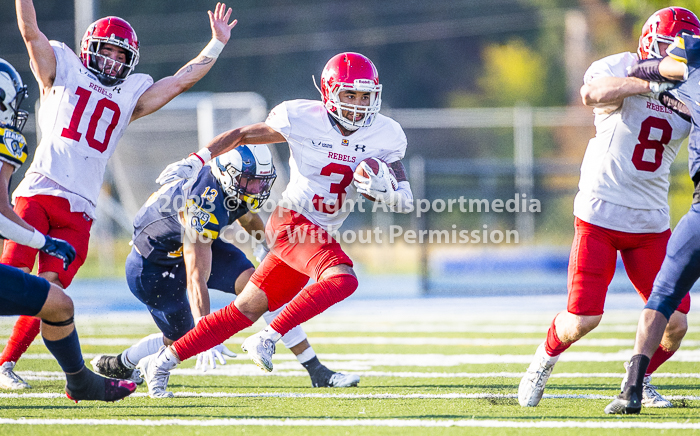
(167, 360)
(270, 333)
(293, 337)
(145, 347)
(306, 355)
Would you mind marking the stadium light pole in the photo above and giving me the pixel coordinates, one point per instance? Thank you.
(85, 14)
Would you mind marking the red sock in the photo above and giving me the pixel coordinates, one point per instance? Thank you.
(211, 331)
(553, 345)
(658, 358)
(23, 334)
(313, 300)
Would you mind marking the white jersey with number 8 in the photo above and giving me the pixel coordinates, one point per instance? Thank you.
(628, 162)
(81, 122)
(322, 161)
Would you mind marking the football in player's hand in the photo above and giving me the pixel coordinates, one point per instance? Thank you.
(374, 166)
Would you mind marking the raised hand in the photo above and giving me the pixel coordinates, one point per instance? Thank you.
(220, 27)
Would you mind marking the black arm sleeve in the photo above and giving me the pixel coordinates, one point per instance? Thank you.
(675, 105)
(647, 69)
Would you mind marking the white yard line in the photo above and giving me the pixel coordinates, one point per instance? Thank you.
(382, 340)
(252, 370)
(362, 423)
(379, 396)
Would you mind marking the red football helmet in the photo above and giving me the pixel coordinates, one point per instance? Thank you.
(115, 31)
(663, 26)
(351, 72)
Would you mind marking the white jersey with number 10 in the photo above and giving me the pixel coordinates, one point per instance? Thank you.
(322, 161)
(81, 122)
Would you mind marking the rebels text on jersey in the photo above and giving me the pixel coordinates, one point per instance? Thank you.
(81, 122)
(322, 161)
(628, 161)
(686, 49)
(158, 230)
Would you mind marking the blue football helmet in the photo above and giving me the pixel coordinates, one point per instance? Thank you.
(246, 173)
(12, 92)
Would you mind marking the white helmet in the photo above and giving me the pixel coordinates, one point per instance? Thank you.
(12, 92)
(246, 173)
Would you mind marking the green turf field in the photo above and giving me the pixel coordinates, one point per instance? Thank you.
(439, 373)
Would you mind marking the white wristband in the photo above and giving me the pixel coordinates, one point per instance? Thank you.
(204, 154)
(213, 49)
(197, 319)
(38, 239)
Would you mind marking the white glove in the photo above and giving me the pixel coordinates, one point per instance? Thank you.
(261, 251)
(381, 186)
(187, 168)
(207, 359)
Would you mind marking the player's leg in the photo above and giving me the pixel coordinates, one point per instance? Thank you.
(23, 257)
(321, 376)
(218, 326)
(163, 289)
(318, 256)
(591, 269)
(24, 294)
(679, 271)
(228, 261)
(642, 262)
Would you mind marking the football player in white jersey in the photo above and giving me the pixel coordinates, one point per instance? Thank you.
(25, 294)
(327, 140)
(622, 201)
(87, 101)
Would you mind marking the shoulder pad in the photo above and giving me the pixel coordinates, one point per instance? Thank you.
(13, 147)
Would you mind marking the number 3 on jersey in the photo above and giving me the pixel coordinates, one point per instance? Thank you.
(645, 143)
(335, 188)
(71, 132)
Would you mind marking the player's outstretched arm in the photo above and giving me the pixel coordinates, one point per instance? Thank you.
(611, 91)
(40, 51)
(189, 167)
(170, 87)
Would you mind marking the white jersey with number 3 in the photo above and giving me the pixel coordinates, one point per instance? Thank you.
(628, 162)
(81, 122)
(322, 161)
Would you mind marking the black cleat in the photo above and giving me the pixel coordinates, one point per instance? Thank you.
(112, 366)
(631, 405)
(323, 377)
(88, 386)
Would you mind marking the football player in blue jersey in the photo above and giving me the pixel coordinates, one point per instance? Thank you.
(178, 254)
(681, 266)
(25, 294)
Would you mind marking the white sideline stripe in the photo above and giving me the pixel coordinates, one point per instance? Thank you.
(252, 370)
(381, 340)
(491, 423)
(365, 361)
(385, 396)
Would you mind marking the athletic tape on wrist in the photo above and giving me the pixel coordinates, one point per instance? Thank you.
(213, 49)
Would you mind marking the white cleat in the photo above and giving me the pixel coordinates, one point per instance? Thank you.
(650, 397)
(9, 379)
(155, 370)
(260, 349)
(532, 384)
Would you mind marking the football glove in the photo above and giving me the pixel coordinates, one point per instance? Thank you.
(207, 359)
(659, 87)
(60, 249)
(187, 168)
(261, 251)
(381, 186)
